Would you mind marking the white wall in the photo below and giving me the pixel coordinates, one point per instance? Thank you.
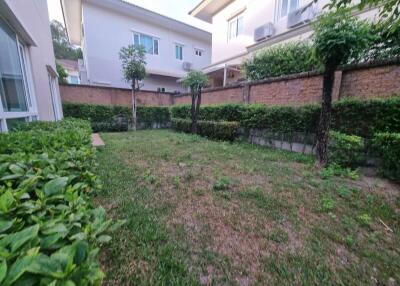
(106, 32)
(256, 13)
(33, 15)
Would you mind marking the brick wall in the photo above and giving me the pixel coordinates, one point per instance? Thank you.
(112, 96)
(362, 81)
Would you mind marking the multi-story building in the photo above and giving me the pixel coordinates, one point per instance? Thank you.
(28, 78)
(241, 28)
(103, 27)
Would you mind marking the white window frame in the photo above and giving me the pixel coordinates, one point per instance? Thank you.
(179, 46)
(53, 95)
(155, 39)
(278, 9)
(235, 22)
(31, 113)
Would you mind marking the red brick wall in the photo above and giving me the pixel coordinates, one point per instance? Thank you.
(381, 81)
(215, 96)
(112, 96)
(364, 81)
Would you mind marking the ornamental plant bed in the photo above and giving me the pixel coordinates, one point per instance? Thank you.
(50, 233)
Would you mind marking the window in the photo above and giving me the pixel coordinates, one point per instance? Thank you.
(198, 53)
(235, 27)
(73, 79)
(149, 43)
(284, 7)
(12, 84)
(53, 92)
(179, 52)
(17, 103)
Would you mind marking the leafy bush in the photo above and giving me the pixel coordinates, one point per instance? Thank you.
(116, 118)
(387, 145)
(349, 116)
(49, 232)
(212, 129)
(285, 59)
(346, 150)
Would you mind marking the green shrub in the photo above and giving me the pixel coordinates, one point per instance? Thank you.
(49, 232)
(285, 59)
(212, 129)
(116, 118)
(387, 146)
(349, 116)
(345, 150)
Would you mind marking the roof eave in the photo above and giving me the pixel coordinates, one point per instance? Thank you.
(206, 9)
(72, 13)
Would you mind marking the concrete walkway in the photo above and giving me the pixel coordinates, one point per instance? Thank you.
(97, 141)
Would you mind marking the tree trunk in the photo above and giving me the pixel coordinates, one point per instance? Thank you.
(325, 117)
(134, 108)
(193, 113)
(197, 110)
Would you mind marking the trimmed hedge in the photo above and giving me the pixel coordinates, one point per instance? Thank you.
(221, 130)
(49, 231)
(350, 116)
(346, 150)
(387, 146)
(285, 59)
(116, 118)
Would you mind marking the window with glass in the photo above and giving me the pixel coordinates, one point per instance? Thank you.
(179, 52)
(17, 104)
(149, 43)
(73, 79)
(235, 27)
(284, 7)
(12, 83)
(198, 53)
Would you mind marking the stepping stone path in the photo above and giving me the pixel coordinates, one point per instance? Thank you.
(97, 141)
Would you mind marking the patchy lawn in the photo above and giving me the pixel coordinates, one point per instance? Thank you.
(215, 213)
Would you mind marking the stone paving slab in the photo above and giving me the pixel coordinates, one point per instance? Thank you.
(97, 141)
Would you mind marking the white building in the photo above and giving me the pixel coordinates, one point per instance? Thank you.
(28, 77)
(241, 28)
(103, 27)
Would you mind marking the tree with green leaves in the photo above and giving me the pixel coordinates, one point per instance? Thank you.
(389, 10)
(62, 74)
(134, 70)
(338, 38)
(62, 48)
(195, 81)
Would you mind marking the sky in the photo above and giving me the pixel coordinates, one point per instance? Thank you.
(177, 9)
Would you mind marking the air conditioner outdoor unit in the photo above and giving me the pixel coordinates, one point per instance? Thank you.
(187, 66)
(301, 16)
(263, 32)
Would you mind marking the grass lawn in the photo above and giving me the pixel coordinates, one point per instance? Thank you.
(202, 212)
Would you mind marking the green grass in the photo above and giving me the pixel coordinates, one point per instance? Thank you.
(218, 213)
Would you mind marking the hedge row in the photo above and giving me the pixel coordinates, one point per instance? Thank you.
(354, 117)
(387, 146)
(49, 231)
(116, 118)
(211, 129)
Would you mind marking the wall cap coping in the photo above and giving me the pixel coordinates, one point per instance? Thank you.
(115, 88)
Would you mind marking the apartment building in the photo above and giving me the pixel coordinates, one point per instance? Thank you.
(241, 28)
(102, 27)
(28, 78)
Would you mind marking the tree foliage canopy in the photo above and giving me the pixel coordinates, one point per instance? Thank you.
(133, 64)
(389, 11)
(62, 48)
(339, 37)
(62, 73)
(195, 80)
